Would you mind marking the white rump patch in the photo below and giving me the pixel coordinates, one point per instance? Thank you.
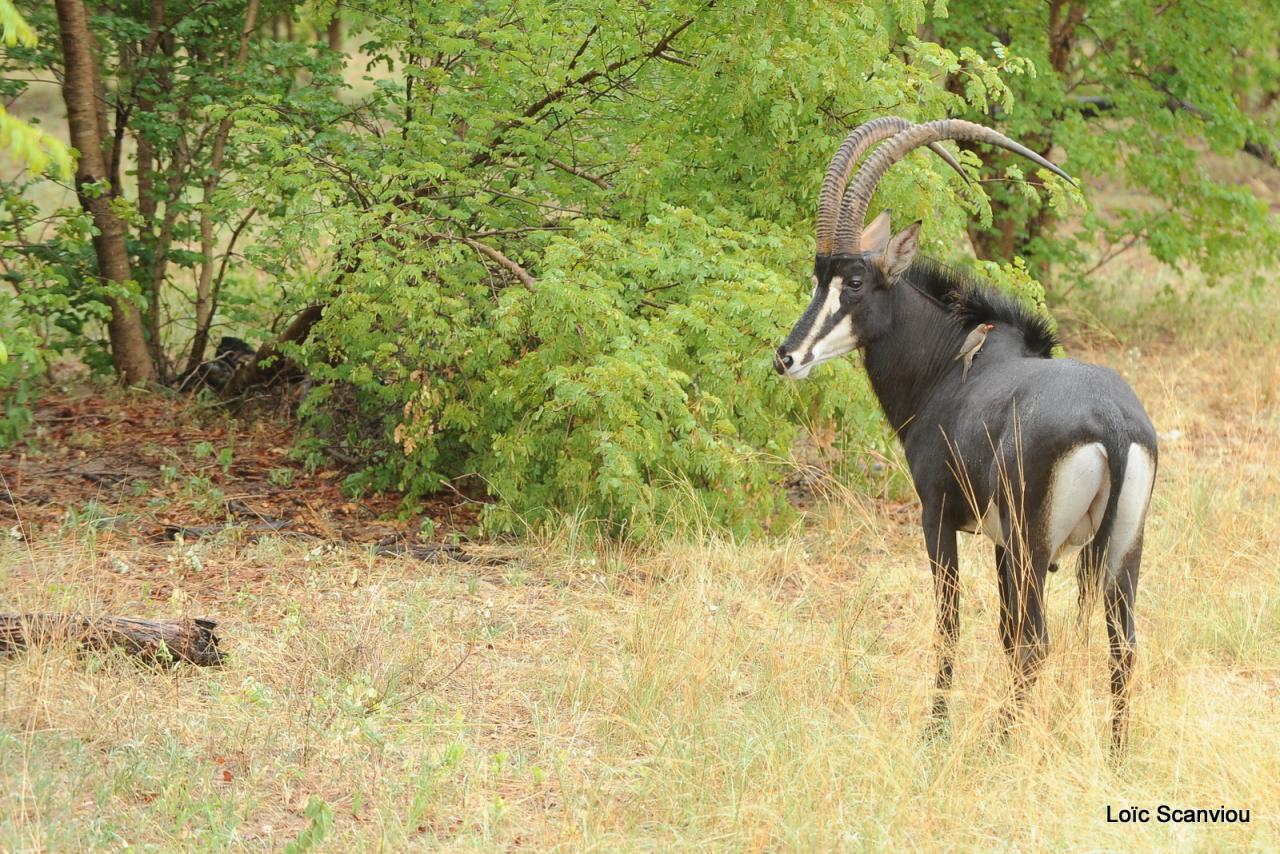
(1077, 497)
(1131, 511)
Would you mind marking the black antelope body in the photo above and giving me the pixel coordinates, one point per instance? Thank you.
(1042, 455)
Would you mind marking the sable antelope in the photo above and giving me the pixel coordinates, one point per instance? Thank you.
(1042, 455)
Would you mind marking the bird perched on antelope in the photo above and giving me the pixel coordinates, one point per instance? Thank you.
(972, 344)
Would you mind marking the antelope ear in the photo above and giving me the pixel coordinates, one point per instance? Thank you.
(876, 235)
(900, 252)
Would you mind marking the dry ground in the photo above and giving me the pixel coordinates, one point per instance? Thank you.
(711, 695)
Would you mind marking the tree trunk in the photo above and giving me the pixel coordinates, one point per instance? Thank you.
(162, 641)
(204, 305)
(147, 208)
(82, 93)
(148, 204)
(1013, 231)
(335, 29)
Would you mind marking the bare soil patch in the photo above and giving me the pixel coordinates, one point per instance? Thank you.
(148, 468)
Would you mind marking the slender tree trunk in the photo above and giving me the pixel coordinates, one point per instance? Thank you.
(1065, 18)
(147, 207)
(148, 199)
(204, 305)
(164, 237)
(335, 29)
(82, 93)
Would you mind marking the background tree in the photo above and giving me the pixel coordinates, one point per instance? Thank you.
(170, 77)
(27, 144)
(82, 90)
(22, 349)
(563, 278)
(1135, 93)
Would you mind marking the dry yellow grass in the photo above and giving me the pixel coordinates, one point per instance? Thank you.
(711, 695)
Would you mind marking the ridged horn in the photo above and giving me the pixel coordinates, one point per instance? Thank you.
(847, 156)
(853, 208)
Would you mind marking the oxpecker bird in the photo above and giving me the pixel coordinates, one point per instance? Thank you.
(972, 345)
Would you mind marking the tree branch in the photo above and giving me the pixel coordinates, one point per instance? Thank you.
(1095, 106)
(256, 372)
(494, 255)
(582, 48)
(484, 157)
(586, 176)
(226, 256)
(204, 308)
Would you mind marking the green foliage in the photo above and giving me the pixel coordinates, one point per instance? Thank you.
(45, 306)
(320, 816)
(636, 375)
(23, 350)
(26, 144)
(661, 199)
(1134, 93)
(14, 27)
(168, 87)
(21, 358)
(32, 147)
(554, 246)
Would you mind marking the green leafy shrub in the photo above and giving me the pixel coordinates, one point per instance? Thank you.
(552, 252)
(633, 383)
(662, 200)
(48, 306)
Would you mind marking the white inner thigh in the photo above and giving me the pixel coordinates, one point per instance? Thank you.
(1077, 497)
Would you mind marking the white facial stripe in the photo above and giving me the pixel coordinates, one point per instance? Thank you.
(838, 341)
(830, 305)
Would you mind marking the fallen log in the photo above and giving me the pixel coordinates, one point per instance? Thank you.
(392, 546)
(162, 641)
(195, 532)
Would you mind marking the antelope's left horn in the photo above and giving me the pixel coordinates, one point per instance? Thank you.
(846, 157)
(853, 208)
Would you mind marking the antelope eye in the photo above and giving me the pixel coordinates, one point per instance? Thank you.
(853, 284)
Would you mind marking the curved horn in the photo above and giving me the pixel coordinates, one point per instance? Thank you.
(854, 207)
(849, 153)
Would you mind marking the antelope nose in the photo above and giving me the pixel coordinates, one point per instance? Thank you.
(782, 361)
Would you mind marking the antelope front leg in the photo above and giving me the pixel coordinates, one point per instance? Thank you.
(940, 539)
